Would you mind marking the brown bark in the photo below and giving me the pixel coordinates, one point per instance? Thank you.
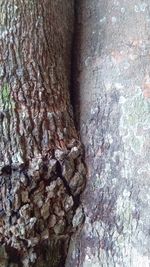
(41, 170)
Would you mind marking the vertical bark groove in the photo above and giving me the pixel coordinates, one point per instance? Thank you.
(41, 168)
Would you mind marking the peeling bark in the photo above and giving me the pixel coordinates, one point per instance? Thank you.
(41, 169)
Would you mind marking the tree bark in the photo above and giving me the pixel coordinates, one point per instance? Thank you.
(112, 87)
(41, 169)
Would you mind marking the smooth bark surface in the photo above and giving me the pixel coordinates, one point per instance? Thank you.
(41, 171)
(112, 84)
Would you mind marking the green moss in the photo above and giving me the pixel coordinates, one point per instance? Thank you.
(5, 98)
(5, 93)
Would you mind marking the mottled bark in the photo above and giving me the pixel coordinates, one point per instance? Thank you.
(112, 84)
(41, 171)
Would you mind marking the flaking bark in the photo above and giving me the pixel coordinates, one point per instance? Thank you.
(41, 170)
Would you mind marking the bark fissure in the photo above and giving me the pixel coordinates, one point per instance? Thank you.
(41, 169)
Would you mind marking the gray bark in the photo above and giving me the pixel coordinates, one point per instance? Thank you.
(112, 87)
(41, 169)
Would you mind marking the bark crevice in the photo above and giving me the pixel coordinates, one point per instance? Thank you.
(42, 173)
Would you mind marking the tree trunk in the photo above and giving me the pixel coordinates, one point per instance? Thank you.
(41, 170)
(112, 85)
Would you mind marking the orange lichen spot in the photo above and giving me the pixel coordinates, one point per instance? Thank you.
(118, 57)
(146, 93)
(146, 87)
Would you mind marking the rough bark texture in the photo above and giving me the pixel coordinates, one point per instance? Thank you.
(41, 171)
(112, 84)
